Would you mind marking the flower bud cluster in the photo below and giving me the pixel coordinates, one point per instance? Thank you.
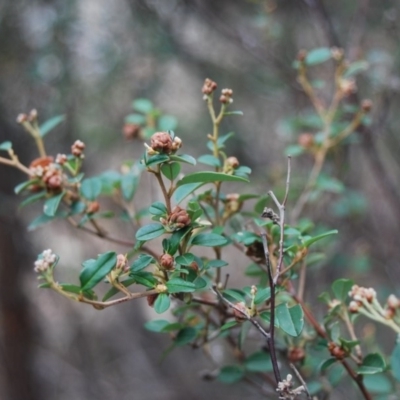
(209, 87)
(61, 159)
(122, 263)
(347, 86)
(31, 117)
(226, 96)
(361, 293)
(48, 172)
(45, 261)
(162, 142)
(178, 219)
(230, 164)
(231, 204)
(337, 53)
(285, 388)
(77, 149)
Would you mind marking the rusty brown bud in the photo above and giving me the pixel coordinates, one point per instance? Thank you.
(151, 298)
(296, 354)
(41, 162)
(178, 218)
(54, 182)
(131, 131)
(301, 55)
(167, 261)
(209, 86)
(93, 207)
(336, 351)
(194, 266)
(306, 140)
(366, 105)
(161, 142)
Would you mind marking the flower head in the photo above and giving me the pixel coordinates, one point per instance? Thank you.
(45, 261)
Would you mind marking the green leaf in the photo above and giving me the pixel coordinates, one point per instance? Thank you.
(200, 283)
(228, 325)
(185, 336)
(209, 240)
(395, 360)
(184, 158)
(142, 105)
(51, 205)
(341, 288)
(162, 303)
(148, 232)
(290, 320)
(217, 264)
(91, 188)
(156, 325)
(327, 363)
(39, 221)
(22, 186)
(234, 295)
(33, 198)
(142, 262)
(6, 146)
(135, 119)
(294, 150)
(373, 363)
(209, 159)
(310, 241)
(71, 288)
(258, 362)
(233, 113)
(158, 208)
(156, 159)
(209, 177)
(379, 384)
(231, 374)
(144, 278)
(50, 124)
(318, 56)
(129, 184)
(185, 190)
(178, 285)
(171, 170)
(262, 295)
(220, 142)
(167, 123)
(355, 68)
(185, 259)
(113, 291)
(329, 184)
(95, 271)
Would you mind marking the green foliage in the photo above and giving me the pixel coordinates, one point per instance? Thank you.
(188, 242)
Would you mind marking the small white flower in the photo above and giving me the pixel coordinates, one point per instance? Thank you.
(47, 258)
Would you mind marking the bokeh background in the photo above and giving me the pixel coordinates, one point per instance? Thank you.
(89, 59)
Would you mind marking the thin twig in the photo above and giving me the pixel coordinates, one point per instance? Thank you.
(271, 341)
(300, 378)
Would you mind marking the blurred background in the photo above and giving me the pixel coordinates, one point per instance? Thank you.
(89, 59)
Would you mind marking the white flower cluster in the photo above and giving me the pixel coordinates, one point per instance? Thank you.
(286, 391)
(47, 258)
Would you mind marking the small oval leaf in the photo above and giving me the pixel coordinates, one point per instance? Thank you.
(96, 270)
